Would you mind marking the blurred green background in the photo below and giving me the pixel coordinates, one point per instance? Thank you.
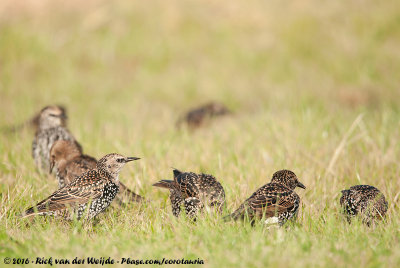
(314, 86)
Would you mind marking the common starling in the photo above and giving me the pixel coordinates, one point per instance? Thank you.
(200, 115)
(275, 201)
(34, 121)
(194, 191)
(52, 127)
(86, 196)
(68, 161)
(365, 201)
(67, 158)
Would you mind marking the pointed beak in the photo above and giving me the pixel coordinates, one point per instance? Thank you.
(129, 159)
(299, 184)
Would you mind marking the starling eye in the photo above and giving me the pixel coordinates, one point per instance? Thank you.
(120, 160)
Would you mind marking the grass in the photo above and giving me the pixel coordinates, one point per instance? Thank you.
(314, 86)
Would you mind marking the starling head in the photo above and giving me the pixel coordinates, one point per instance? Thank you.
(345, 194)
(63, 151)
(52, 116)
(113, 163)
(287, 178)
(176, 173)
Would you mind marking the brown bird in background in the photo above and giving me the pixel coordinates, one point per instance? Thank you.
(365, 201)
(34, 121)
(69, 163)
(199, 116)
(52, 127)
(194, 191)
(276, 202)
(86, 196)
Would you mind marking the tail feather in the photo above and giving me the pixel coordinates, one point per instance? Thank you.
(130, 194)
(29, 212)
(135, 197)
(32, 122)
(16, 128)
(168, 184)
(239, 213)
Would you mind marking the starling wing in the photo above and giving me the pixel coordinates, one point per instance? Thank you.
(84, 189)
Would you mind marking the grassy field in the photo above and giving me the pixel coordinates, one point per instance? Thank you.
(314, 85)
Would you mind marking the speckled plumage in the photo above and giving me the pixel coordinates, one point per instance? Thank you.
(88, 195)
(200, 115)
(69, 162)
(274, 199)
(365, 201)
(52, 127)
(194, 191)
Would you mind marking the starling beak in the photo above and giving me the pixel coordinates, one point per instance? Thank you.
(364, 200)
(128, 159)
(194, 191)
(274, 201)
(299, 184)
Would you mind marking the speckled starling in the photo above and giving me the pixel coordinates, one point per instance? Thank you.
(200, 115)
(194, 192)
(275, 201)
(67, 159)
(52, 127)
(88, 195)
(365, 201)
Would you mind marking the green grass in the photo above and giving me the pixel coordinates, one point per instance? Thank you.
(314, 86)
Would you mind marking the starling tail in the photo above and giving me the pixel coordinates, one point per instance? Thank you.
(238, 213)
(168, 184)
